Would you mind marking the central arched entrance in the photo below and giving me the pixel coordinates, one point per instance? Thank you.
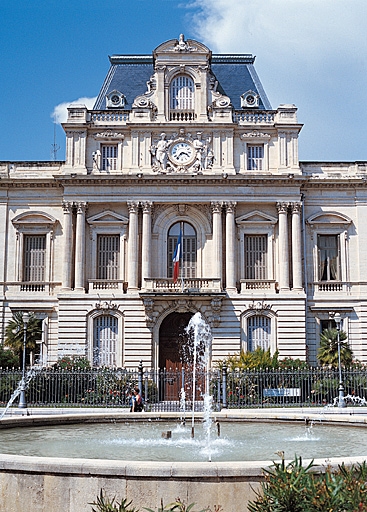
(176, 357)
(173, 341)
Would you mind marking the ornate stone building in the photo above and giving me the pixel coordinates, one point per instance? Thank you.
(183, 140)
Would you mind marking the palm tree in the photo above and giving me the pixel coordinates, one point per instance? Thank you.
(328, 351)
(14, 333)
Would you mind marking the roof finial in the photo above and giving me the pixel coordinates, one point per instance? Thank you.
(182, 45)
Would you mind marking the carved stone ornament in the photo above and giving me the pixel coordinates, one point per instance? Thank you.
(150, 315)
(296, 207)
(216, 306)
(181, 209)
(260, 306)
(282, 207)
(106, 306)
(183, 46)
(194, 151)
(109, 134)
(182, 305)
(255, 134)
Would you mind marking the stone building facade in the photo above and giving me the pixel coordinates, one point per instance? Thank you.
(183, 140)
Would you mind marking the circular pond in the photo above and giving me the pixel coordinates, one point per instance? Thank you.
(238, 441)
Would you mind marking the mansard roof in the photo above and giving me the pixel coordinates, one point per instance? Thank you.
(129, 74)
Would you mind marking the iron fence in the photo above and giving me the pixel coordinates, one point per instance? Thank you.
(165, 390)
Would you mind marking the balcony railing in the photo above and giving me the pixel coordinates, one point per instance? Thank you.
(332, 286)
(100, 117)
(203, 285)
(182, 115)
(45, 287)
(257, 284)
(254, 117)
(106, 284)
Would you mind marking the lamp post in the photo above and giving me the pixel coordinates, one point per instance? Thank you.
(341, 401)
(22, 401)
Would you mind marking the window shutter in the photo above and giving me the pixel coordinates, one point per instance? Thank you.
(258, 332)
(34, 258)
(109, 157)
(255, 155)
(105, 340)
(108, 257)
(256, 248)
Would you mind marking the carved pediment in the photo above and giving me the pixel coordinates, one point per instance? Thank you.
(329, 217)
(34, 218)
(181, 46)
(107, 217)
(256, 217)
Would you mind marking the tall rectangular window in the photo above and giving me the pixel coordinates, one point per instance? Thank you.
(258, 332)
(108, 257)
(256, 256)
(105, 340)
(34, 258)
(255, 157)
(328, 257)
(109, 157)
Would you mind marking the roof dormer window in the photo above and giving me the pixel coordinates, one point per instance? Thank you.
(182, 99)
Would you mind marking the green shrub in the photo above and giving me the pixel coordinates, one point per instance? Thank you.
(72, 363)
(104, 504)
(294, 488)
(8, 359)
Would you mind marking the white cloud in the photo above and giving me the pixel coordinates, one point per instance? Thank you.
(60, 112)
(309, 52)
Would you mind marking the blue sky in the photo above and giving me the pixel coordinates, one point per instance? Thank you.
(310, 53)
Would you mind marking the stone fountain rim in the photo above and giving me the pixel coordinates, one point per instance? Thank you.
(192, 470)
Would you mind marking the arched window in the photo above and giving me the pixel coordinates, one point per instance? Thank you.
(258, 332)
(105, 337)
(182, 93)
(189, 249)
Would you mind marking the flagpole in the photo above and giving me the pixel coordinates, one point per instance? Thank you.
(181, 255)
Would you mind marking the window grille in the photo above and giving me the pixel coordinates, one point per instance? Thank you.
(109, 157)
(329, 257)
(105, 340)
(258, 332)
(34, 258)
(256, 249)
(108, 261)
(182, 93)
(189, 250)
(255, 157)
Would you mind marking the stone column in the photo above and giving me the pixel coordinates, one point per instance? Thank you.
(283, 247)
(80, 246)
(217, 239)
(230, 247)
(68, 221)
(132, 274)
(296, 246)
(146, 266)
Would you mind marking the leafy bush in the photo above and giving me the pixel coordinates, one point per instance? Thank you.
(8, 359)
(104, 504)
(72, 363)
(250, 360)
(294, 488)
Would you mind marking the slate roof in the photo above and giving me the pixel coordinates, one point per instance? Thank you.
(129, 74)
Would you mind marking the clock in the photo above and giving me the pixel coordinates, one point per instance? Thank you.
(181, 152)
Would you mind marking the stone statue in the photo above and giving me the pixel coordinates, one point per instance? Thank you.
(161, 154)
(200, 149)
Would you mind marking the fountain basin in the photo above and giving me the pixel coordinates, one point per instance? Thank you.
(32, 483)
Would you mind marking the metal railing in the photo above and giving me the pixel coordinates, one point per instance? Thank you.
(163, 389)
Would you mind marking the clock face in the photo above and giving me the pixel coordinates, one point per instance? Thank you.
(182, 152)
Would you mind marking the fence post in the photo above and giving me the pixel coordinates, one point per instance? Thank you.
(224, 387)
(140, 376)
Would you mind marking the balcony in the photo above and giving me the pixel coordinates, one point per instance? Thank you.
(251, 117)
(106, 285)
(33, 287)
(193, 285)
(182, 115)
(107, 117)
(249, 285)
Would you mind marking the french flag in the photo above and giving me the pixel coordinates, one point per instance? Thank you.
(176, 259)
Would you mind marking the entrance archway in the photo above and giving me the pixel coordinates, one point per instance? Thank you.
(172, 340)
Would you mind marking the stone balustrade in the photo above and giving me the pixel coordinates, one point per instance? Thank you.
(204, 285)
(254, 117)
(44, 287)
(182, 115)
(255, 284)
(101, 117)
(105, 284)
